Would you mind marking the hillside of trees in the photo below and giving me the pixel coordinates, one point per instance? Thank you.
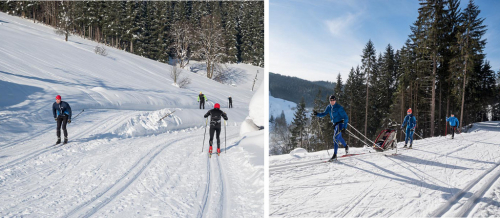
(159, 30)
(294, 89)
(440, 70)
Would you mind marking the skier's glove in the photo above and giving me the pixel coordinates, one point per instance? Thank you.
(315, 113)
(343, 128)
(55, 118)
(69, 121)
(412, 129)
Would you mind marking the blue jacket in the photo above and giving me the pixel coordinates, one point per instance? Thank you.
(411, 121)
(337, 113)
(453, 121)
(61, 108)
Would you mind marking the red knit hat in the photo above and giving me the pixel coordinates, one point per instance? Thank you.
(58, 97)
(217, 105)
(409, 111)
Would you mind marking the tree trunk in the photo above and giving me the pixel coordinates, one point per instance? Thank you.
(439, 116)
(402, 112)
(433, 103)
(366, 106)
(463, 95)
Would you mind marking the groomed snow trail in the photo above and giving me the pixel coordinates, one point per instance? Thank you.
(120, 161)
(439, 177)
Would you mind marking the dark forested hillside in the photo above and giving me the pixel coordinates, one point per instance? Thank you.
(293, 88)
(326, 84)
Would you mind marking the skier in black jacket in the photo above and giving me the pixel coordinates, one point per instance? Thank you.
(215, 123)
(230, 102)
(62, 115)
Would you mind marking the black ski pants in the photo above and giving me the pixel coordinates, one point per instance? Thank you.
(215, 129)
(452, 131)
(230, 104)
(202, 103)
(61, 122)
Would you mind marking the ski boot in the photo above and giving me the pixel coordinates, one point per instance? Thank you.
(65, 140)
(58, 141)
(218, 151)
(346, 149)
(210, 151)
(334, 158)
(452, 137)
(405, 146)
(410, 146)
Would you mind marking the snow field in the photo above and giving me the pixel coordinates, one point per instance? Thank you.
(439, 174)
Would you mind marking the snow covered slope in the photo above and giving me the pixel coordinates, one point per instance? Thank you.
(439, 177)
(120, 160)
(277, 105)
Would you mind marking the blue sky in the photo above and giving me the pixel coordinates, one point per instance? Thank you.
(317, 39)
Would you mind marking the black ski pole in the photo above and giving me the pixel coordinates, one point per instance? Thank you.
(206, 122)
(225, 143)
(78, 114)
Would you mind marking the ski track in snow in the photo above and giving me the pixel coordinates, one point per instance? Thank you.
(439, 177)
(120, 161)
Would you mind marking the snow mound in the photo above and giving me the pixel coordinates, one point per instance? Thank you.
(257, 107)
(300, 152)
(147, 123)
(248, 126)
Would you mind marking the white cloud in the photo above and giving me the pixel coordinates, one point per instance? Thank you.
(341, 25)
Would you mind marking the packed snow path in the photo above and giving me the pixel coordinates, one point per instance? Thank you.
(120, 161)
(439, 177)
(165, 174)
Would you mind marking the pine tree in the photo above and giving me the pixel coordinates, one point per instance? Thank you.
(298, 125)
(339, 87)
(368, 66)
(230, 24)
(470, 38)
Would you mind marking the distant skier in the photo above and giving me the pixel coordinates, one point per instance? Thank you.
(339, 118)
(410, 128)
(453, 124)
(215, 125)
(230, 102)
(62, 115)
(202, 99)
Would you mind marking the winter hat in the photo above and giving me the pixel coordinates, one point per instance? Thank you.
(409, 111)
(217, 105)
(332, 97)
(58, 97)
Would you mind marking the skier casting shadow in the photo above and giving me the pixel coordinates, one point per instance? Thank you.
(339, 118)
(410, 128)
(62, 115)
(215, 125)
(453, 124)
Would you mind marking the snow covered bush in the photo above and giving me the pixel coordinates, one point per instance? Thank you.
(175, 74)
(101, 50)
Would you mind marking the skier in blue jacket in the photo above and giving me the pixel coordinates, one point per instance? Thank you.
(411, 122)
(453, 124)
(339, 118)
(62, 115)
